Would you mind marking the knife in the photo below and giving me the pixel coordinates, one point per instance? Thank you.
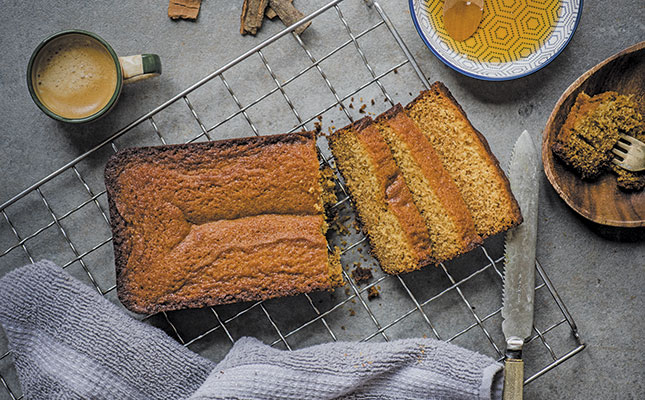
(519, 270)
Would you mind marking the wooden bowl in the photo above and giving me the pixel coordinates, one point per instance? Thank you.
(600, 201)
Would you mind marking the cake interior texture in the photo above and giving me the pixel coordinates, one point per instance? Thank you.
(428, 160)
(218, 222)
(397, 234)
(465, 154)
(592, 129)
(451, 227)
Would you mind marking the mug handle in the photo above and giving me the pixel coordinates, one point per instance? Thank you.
(140, 67)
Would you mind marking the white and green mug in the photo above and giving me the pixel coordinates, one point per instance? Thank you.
(75, 76)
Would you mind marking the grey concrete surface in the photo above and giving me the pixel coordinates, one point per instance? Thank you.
(599, 273)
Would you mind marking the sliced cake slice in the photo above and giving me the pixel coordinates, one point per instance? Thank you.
(398, 236)
(466, 156)
(451, 227)
(592, 128)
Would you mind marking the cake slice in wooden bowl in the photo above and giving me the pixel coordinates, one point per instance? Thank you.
(212, 223)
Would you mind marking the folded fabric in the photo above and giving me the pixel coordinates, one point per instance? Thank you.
(68, 342)
(402, 369)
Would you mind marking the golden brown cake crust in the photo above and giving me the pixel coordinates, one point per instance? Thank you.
(212, 223)
(439, 89)
(437, 178)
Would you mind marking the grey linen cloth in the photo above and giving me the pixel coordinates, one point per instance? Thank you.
(68, 342)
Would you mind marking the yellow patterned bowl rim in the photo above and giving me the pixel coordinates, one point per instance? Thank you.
(552, 47)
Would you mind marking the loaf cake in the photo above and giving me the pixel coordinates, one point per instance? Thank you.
(451, 227)
(212, 223)
(592, 129)
(465, 154)
(395, 229)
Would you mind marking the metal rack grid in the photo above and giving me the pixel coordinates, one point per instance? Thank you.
(327, 311)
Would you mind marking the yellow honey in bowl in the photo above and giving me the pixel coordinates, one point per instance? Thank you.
(462, 18)
(509, 29)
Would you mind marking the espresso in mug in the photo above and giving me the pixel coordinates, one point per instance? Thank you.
(74, 76)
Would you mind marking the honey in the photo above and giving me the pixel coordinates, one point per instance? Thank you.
(509, 29)
(462, 19)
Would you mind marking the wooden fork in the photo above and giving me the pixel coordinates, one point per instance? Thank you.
(630, 152)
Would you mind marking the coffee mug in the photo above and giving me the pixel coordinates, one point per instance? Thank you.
(75, 76)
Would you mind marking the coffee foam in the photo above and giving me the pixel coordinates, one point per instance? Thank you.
(75, 76)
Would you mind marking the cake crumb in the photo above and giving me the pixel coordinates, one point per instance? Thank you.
(362, 109)
(361, 275)
(373, 293)
(341, 229)
(372, 102)
(352, 312)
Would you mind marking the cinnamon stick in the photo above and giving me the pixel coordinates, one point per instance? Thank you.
(288, 14)
(271, 13)
(252, 16)
(185, 9)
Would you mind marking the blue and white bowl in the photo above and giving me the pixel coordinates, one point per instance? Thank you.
(491, 69)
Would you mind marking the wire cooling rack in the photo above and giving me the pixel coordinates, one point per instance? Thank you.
(63, 216)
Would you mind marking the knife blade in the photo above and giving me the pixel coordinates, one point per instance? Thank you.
(519, 270)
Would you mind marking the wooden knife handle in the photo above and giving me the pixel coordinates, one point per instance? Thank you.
(513, 379)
